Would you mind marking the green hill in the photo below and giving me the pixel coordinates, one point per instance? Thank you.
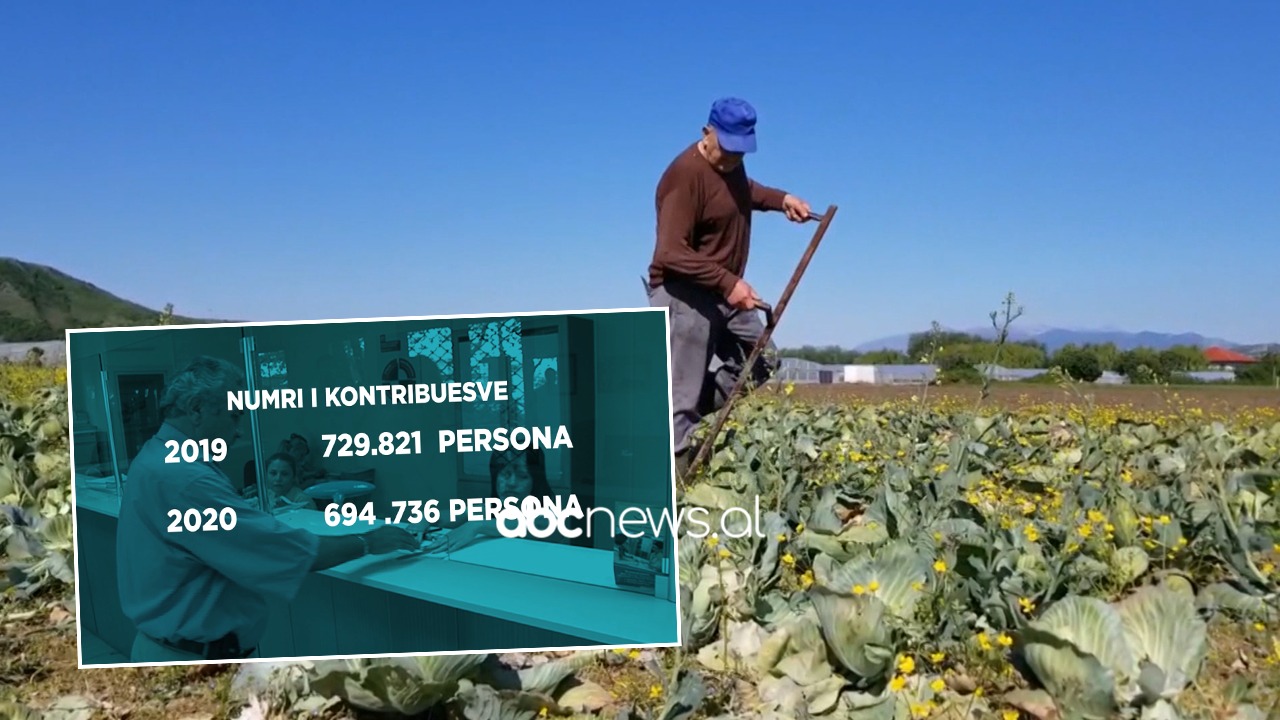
(39, 303)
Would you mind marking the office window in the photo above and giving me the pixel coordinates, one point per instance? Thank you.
(273, 371)
(435, 345)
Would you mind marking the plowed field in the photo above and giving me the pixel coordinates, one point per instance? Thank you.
(1008, 395)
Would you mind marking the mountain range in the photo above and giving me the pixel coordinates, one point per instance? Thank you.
(1053, 338)
(39, 303)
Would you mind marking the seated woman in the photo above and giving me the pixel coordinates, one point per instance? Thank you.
(307, 473)
(282, 484)
(512, 474)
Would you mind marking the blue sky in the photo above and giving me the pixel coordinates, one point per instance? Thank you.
(1114, 164)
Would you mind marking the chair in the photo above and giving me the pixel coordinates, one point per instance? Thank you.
(250, 474)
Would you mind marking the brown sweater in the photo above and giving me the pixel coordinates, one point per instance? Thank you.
(704, 222)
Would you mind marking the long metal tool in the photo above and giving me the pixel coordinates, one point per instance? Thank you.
(772, 316)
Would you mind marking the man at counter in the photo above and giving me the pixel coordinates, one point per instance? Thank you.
(203, 595)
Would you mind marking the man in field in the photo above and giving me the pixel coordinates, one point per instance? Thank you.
(704, 206)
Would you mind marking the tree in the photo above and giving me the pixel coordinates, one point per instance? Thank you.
(1107, 353)
(1079, 363)
(1143, 366)
(1264, 372)
(921, 344)
(1183, 358)
(1023, 355)
(882, 357)
(955, 369)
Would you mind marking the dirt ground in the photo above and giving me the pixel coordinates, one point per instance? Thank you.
(1015, 395)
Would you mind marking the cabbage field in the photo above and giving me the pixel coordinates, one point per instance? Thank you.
(922, 559)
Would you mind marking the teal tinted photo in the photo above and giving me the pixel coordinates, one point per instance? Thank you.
(373, 487)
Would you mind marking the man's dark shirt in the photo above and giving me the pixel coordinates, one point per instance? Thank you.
(704, 222)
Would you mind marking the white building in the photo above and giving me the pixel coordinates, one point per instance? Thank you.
(890, 374)
(796, 370)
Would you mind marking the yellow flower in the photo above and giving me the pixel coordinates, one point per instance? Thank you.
(634, 654)
(907, 665)
(920, 710)
(713, 541)
(787, 559)
(978, 692)
(542, 712)
(724, 552)
(874, 585)
(782, 537)
(1164, 520)
(1004, 640)
(937, 685)
(940, 566)
(1027, 604)
(858, 590)
(1009, 715)
(897, 683)
(937, 657)
(917, 586)
(655, 691)
(799, 528)
(984, 642)
(806, 579)
(1259, 627)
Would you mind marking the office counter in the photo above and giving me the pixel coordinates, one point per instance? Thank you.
(476, 598)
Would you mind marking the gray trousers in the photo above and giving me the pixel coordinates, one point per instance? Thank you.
(710, 341)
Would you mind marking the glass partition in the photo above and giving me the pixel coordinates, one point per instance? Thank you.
(97, 479)
(524, 352)
(133, 368)
(296, 466)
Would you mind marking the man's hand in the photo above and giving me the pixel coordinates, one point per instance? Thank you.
(743, 296)
(796, 209)
(454, 539)
(390, 538)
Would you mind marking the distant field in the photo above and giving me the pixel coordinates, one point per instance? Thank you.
(1222, 398)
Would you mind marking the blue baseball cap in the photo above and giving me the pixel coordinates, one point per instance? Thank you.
(735, 123)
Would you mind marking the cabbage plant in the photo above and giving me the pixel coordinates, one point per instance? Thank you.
(1131, 658)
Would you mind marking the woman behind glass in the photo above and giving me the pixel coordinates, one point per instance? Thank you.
(513, 474)
(282, 484)
(305, 470)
